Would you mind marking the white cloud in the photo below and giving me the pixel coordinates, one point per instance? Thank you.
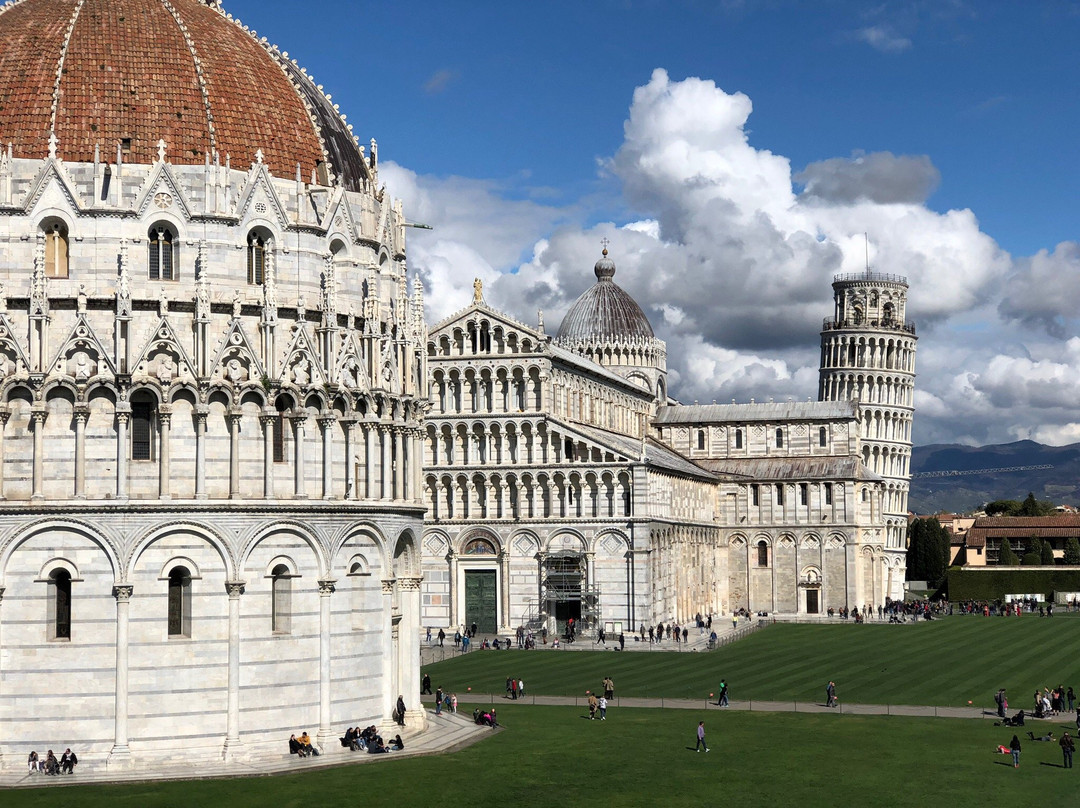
(883, 38)
(733, 266)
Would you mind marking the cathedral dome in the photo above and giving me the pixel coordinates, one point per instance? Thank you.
(606, 310)
(99, 73)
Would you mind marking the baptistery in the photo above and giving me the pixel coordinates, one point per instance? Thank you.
(211, 395)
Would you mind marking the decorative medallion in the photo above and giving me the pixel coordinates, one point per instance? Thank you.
(163, 200)
(260, 207)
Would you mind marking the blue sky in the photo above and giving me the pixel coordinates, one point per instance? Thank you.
(525, 132)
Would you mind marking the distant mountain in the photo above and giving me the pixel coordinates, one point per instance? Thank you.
(1060, 484)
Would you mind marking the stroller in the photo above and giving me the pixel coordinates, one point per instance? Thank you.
(1016, 721)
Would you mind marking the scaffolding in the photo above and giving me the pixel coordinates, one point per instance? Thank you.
(564, 594)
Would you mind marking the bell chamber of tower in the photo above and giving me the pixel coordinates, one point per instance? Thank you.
(868, 356)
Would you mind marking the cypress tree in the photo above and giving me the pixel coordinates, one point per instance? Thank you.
(1048, 554)
(1007, 558)
(1072, 551)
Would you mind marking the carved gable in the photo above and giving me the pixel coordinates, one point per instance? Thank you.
(163, 357)
(82, 355)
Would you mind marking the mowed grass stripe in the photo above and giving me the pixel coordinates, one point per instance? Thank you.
(944, 663)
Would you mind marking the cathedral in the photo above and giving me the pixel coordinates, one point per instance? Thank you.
(562, 481)
(211, 395)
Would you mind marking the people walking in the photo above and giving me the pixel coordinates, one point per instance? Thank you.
(723, 700)
(425, 688)
(830, 694)
(601, 705)
(609, 688)
(1067, 749)
(701, 737)
(594, 703)
(1014, 747)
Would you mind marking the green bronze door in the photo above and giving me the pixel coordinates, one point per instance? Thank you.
(481, 597)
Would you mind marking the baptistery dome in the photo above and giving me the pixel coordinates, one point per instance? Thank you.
(99, 74)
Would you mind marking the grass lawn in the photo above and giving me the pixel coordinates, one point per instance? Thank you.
(944, 663)
(551, 755)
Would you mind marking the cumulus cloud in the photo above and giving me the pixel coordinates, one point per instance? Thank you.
(880, 177)
(731, 254)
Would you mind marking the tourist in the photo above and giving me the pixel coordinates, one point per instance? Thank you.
(521, 688)
(453, 702)
(609, 688)
(399, 711)
(1067, 749)
(830, 694)
(68, 761)
(701, 737)
(593, 704)
(32, 760)
(1049, 736)
(439, 696)
(397, 744)
(1014, 747)
(426, 686)
(723, 700)
(428, 638)
(601, 705)
(442, 636)
(600, 637)
(1071, 698)
(622, 641)
(305, 743)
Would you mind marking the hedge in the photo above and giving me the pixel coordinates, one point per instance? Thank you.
(991, 583)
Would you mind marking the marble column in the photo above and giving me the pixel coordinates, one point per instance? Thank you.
(389, 689)
(455, 618)
(164, 473)
(409, 644)
(350, 465)
(268, 420)
(387, 462)
(1, 655)
(5, 414)
(122, 417)
(369, 459)
(120, 753)
(38, 417)
(504, 591)
(82, 415)
(399, 463)
(201, 413)
(234, 453)
(326, 427)
(299, 481)
(326, 736)
(232, 726)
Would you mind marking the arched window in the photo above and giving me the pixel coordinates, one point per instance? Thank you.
(162, 253)
(143, 416)
(59, 605)
(279, 430)
(256, 259)
(56, 251)
(822, 436)
(180, 602)
(701, 439)
(280, 599)
(779, 438)
(738, 438)
(762, 553)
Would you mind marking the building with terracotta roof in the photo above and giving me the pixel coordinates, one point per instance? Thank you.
(982, 544)
(211, 394)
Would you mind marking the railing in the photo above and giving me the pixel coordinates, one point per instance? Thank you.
(892, 325)
(869, 276)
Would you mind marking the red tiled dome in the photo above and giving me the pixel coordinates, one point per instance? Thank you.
(98, 72)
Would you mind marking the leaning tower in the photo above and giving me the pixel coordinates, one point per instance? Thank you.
(868, 356)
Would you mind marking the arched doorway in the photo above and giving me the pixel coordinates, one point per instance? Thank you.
(481, 586)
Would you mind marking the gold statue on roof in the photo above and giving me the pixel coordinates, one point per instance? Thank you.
(477, 291)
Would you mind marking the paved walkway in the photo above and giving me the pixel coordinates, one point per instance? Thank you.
(445, 733)
(745, 706)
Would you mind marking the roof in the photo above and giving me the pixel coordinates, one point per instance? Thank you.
(104, 71)
(1066, 526)
(770, 412)
(657, 454)
(832, 467)
(605, 311)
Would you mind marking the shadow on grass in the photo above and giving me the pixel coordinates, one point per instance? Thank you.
(1052, 765)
